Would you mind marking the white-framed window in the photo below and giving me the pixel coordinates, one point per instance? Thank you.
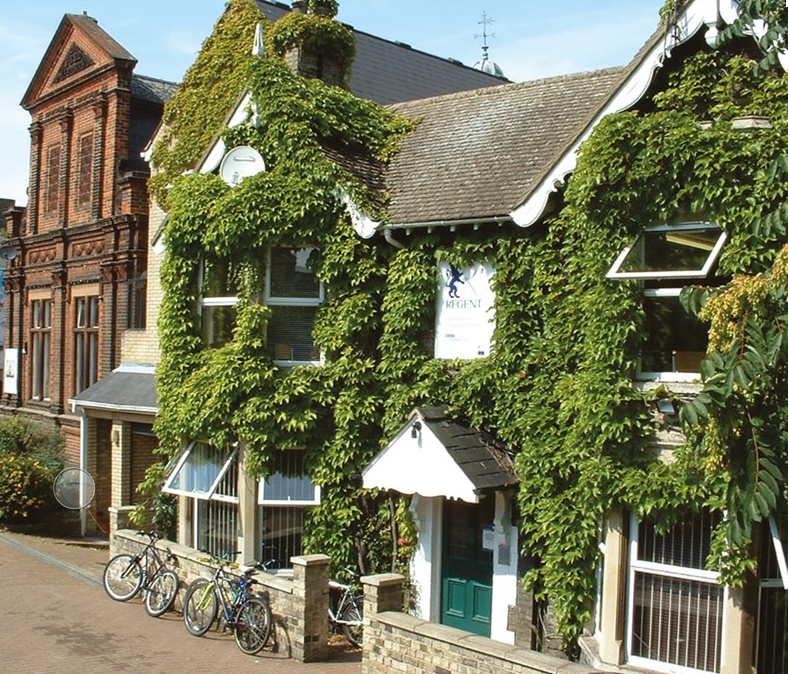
(217, 303)
(663, 257)
(41, 342)
(199, 470)
(681, 251)
(283, 497)
(675, 341)
(293, 293)
(675, 607)
(208, 477)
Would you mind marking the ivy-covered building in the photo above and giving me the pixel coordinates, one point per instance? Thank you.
(524, 343)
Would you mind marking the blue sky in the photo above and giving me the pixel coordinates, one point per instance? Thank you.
(529, 39)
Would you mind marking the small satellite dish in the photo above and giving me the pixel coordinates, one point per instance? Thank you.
(239, 163)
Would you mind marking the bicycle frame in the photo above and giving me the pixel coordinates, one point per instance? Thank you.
(223, 585)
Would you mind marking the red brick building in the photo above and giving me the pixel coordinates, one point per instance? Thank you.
(77, 273)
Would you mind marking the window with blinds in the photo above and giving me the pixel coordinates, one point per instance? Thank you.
(675, 605)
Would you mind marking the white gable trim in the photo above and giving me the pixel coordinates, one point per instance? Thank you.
(213, 157)
(418, 465)
(697, 15)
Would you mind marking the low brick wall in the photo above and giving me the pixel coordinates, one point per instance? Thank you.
(398, 643)
(299, 603)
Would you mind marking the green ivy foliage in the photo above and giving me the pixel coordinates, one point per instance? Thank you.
(557, 386)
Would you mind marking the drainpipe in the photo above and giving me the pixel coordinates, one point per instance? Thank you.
(390, 238)
(83, 465)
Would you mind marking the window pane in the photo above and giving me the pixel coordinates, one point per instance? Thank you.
(281, 534)
(687, 544)
(218, 323)
(220, 280)
(679, 251)
(200, 472)
(289, 481)
(290, 333)
(675, 340)
(291, 275)
(217, 527)
(677, 621)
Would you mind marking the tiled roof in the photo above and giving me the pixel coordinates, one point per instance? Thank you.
(484, 460)
(478, 154)
(389, 72)
(97, 34)
(151, 89)
(130, 388)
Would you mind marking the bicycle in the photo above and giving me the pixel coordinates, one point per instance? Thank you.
(126, 575)
(246, 613)
(346, 608)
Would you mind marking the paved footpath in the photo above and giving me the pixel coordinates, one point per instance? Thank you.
(56, 618)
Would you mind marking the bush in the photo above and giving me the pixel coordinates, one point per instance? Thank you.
(31, 456)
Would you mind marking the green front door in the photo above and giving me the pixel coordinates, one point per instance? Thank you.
(466, 570)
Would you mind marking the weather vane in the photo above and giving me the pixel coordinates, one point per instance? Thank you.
(486, 21)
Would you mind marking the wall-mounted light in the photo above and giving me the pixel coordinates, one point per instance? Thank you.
(415, 429)
(666, 406)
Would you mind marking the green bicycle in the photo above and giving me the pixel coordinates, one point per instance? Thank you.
(247, 614)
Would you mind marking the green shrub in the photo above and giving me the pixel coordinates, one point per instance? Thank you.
(31, 456)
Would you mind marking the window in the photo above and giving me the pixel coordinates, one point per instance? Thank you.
(219, 297)
(40, 340)
(53, 180)
(86, 341)
(283, 497)
(199, 470)
(294, 294)
(662, 257)
(85, 174)
(675, 606)
(209, 476)
(686, 250)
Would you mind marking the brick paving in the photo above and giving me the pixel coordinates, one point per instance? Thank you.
(56, 617)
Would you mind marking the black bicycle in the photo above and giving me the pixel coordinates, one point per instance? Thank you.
(346, 608)
(247, 614)
(126, 575)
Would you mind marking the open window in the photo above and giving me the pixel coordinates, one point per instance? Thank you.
(294, 294)
(663, 256)
(685, 250)
(199, 470)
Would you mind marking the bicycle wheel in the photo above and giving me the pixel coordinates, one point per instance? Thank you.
(160, 594)
(200, 607)
(253, 625)
(122, 577)
(353, 612)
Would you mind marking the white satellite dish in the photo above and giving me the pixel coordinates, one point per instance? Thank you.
(239, 163)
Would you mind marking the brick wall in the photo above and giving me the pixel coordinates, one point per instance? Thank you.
(398, 643)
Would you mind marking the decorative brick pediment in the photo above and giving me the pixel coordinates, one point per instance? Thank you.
(76, 61)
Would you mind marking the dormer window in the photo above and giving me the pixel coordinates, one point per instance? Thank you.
(685, 250)
(663, 256)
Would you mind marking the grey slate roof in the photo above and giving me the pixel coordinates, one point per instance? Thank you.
(484, 460)
(389, 72)
(478, 154)
(125, 389)
(151, 89)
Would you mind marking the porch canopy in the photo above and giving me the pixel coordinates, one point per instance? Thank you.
(128, 388)
(434, 455)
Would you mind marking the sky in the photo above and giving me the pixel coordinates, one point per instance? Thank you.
(528, 39)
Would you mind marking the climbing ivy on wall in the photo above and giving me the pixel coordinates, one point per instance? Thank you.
(557, 386)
